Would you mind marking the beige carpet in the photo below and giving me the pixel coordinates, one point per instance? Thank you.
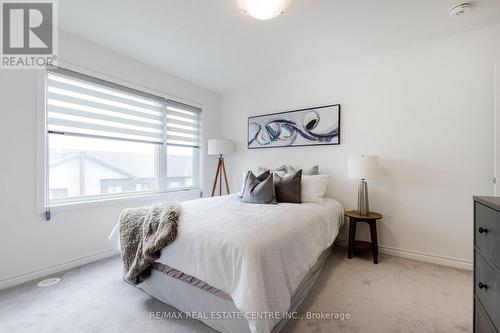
(398, 295)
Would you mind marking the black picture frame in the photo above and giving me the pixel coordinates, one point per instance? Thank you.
(292, 111)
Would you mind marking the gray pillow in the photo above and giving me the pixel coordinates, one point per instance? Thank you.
(261, 177)
(257, 191)
(288, 187)
(314, 170)
(262, 169)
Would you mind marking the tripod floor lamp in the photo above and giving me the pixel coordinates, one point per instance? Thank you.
(220, 147)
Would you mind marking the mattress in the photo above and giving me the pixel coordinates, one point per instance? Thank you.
(256, 254)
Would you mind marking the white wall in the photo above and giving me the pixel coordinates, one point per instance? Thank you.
(426, 110)
(29, 246)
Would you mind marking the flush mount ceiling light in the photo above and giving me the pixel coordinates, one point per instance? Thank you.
(264, 9)
(460, 9)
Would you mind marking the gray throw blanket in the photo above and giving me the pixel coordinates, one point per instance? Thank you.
(144, 232)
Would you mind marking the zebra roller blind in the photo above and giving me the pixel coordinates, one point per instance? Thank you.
(81, 105)
(183, 125)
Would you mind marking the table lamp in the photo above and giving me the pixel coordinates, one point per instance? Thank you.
(220, 147)
(363, 167)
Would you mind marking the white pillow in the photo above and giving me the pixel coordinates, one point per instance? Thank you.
(313, 188)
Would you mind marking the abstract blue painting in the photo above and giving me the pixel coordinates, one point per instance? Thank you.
(306, 127)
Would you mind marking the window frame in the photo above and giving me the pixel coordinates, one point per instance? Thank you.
(162, 193)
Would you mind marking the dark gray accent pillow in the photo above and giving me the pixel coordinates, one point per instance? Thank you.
(314, 170)
(261, 177)
(288, 187)
(257, 191)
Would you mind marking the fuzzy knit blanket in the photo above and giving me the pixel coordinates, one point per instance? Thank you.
(144, 232)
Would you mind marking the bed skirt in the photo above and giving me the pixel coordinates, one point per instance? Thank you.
(190, 295)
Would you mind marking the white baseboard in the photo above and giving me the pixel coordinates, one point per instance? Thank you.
(55, 269)
(420, 256)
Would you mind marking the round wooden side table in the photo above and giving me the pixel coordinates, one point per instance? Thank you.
(355, 246)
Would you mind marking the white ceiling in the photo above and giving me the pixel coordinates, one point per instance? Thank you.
(214, 44)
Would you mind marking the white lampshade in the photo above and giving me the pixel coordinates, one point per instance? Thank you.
(220, 147)
(363, 167)
(264, 9)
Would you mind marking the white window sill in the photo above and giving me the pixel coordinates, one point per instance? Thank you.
(174, 195)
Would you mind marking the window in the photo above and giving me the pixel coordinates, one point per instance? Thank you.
(105, 140)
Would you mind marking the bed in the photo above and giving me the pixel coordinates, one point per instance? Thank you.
(234, 257)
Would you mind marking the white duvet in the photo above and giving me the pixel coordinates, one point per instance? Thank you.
(258, 254)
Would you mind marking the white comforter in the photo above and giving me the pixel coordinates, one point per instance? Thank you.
(258, 254)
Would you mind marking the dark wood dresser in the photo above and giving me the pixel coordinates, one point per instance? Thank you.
(486, 264)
